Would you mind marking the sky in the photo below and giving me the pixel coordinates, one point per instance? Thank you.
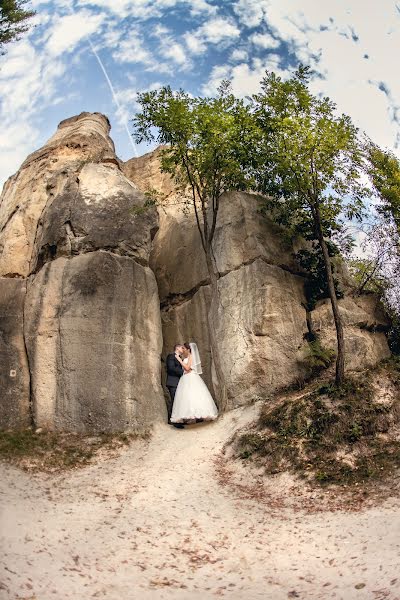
(96, 55)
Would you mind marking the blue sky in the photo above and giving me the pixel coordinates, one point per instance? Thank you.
(53, 73)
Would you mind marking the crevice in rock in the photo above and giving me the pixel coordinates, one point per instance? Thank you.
(175, 299)
(311, 334)
(31, 405)
(10, 218)
(259, 257)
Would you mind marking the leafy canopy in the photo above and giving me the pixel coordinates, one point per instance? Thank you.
(310, 157)
(384, 170)
(206, 138)
(13, 21)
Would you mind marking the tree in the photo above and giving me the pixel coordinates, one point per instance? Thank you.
(384, 170)
(14, 20)
(309, 165)
(206, 142)
(383, 237)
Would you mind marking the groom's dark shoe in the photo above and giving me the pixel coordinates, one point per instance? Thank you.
(178, 425)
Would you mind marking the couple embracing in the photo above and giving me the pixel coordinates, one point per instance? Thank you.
(190, 399)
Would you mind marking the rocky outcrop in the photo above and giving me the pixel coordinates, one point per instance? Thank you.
(96, 208)
(262, 324)
(14, 371)
(78, 141)
(96, 284)
(364, 326)
(90, 322)
(77, 233)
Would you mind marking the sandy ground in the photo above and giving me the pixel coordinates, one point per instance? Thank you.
(155, 522)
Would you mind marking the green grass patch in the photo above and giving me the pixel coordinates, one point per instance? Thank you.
(330, 435)
(54, 451)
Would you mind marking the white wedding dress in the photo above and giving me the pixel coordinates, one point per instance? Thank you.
(192, 400)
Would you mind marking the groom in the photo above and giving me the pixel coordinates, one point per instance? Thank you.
(174, 373)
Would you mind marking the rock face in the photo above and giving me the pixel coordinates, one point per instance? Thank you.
(262, 321)
(26, 194)
(14, 371)
(86, 264)
(90, 321)
(77, 234)
(364, 327)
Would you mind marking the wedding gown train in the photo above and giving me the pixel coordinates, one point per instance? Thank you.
(193, 400)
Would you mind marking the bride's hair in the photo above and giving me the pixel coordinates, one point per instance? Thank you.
(187, 346)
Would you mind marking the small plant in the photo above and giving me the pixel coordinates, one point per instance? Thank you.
(318, 357)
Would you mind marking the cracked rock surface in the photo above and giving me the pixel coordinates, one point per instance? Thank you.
(261, 318)
(74, 248)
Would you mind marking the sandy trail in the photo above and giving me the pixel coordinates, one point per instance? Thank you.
(155, 523)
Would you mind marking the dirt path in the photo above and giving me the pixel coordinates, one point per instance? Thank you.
(155, 523)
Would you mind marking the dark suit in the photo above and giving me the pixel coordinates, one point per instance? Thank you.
(174, 373)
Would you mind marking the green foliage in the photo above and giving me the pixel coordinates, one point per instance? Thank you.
(309, 166)
(207, 141)
(383, 168)
(13, 21)
(367, 276)
(310, 157)
(318, 357)
(312, 261)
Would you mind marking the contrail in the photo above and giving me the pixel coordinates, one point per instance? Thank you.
(114, 95)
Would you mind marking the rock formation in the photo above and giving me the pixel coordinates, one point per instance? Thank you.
(76, 238)
(262, 319)
(86, 264)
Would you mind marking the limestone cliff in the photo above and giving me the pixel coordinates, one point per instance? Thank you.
(95, 287)
(76, 239)
(262, 320)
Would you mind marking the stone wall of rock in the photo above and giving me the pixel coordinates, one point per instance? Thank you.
(96, 287)
(84, 331)
(262, 320)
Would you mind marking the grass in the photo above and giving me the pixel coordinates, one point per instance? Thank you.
(330, 435)
(55, 451)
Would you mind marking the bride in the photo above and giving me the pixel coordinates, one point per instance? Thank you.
(192, 401)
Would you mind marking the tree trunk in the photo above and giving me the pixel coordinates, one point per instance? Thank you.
(335, 307)
(212, 328)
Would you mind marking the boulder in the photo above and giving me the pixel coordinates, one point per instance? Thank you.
(26, 194)
(98, 208)
(261, 322)
(14, 371)
(93, 336)
(364, 329)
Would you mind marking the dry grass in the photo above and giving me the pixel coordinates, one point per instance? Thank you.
(51, 451)
(331, 435)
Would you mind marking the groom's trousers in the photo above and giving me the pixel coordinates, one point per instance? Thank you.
(172, 392)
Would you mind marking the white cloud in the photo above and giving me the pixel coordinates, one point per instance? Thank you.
(239, 55)
(195, 43)
(351, 45)
(198, 7)
(146, 9)
(245, 78)
(131, 50)
(264, 41)
(214, 31)
(251, 12)
(69, 30)
(175, 52)
(218, 29)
